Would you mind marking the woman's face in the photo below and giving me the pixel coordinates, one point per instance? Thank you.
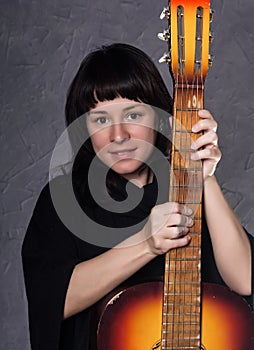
(123, 133)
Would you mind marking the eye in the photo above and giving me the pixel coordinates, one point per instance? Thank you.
(133, 116)
(101, 120)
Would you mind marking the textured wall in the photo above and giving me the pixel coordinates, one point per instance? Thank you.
(42, 43)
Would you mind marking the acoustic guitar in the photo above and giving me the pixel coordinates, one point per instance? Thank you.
(181, 313)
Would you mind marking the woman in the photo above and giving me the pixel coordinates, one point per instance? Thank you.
(116, 91)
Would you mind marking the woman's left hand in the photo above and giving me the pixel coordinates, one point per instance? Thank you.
(206, 146)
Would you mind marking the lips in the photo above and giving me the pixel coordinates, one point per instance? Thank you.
(122, 153)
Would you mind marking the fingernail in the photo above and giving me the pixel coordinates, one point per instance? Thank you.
(202, 112)
(193, 145)
(190, 222)
(194, 156)
(188, 211)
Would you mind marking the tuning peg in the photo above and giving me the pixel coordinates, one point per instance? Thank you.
(211, 37)
(211, 15)
(210, 60)
(165, 13)
(165, 58)
(165, 36)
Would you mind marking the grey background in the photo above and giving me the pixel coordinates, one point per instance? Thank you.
(42, 44)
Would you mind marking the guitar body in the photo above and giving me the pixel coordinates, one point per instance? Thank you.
(132, 319)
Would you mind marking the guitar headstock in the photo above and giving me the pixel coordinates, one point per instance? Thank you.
(188, 37)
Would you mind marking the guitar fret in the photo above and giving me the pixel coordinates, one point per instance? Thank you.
(189, 202)
(185, 259)
(193, 169)
(181, 323)
(182, 347)
(187, 86)
(180, 314)
(192, 294)
(185, 150)
(183, 131)
(182, 283)
(187, 186)
(187, 109)
(195, 304)
(183, 332)
(182, 272)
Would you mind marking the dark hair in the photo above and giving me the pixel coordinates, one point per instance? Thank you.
(117, 70)
(113, 71)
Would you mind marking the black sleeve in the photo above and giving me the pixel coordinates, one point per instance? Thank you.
(49, 256)
(210, 272)
(251, 298)
(209, 269)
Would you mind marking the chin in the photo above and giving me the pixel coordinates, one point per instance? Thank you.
(127, 167)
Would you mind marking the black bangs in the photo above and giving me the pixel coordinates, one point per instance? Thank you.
(118, 74)
(117, 70)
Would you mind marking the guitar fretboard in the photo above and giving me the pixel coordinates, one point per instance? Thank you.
(181, 321)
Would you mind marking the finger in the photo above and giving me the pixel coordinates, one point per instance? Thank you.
(162, 245)
(176, 232)
(204, 113)
(209, 138)
(205, 123)
(175, 207)
(180, 242)
(212, 153)
(179, 220)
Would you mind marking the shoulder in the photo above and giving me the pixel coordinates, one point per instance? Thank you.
(45, 201)
(45, 216)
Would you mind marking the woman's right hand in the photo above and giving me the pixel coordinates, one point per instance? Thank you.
(167, 227)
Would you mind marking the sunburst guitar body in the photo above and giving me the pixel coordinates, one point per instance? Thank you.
(181, 313)
(131, 320)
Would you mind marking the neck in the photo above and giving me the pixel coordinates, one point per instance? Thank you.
(141, 178)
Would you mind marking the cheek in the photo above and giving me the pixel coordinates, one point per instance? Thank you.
(99, 141)
(149, 136)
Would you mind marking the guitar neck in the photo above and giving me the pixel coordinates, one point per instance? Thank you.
(189, 22)
(182, 281)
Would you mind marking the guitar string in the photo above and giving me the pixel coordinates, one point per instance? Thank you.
(179, 155)
(181, 253)
(201, 99)
(187, 302)
(184, 193)
(191, 105)
(174, 198)
(181, 193)
(200, 210)
(181, 190)
(194, 190)
(194, 121)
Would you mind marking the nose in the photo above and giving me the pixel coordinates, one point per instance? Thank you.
(119, 133)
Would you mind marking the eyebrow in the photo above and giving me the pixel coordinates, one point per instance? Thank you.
(124, 109)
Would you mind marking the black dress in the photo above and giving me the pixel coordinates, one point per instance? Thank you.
(50, 252)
